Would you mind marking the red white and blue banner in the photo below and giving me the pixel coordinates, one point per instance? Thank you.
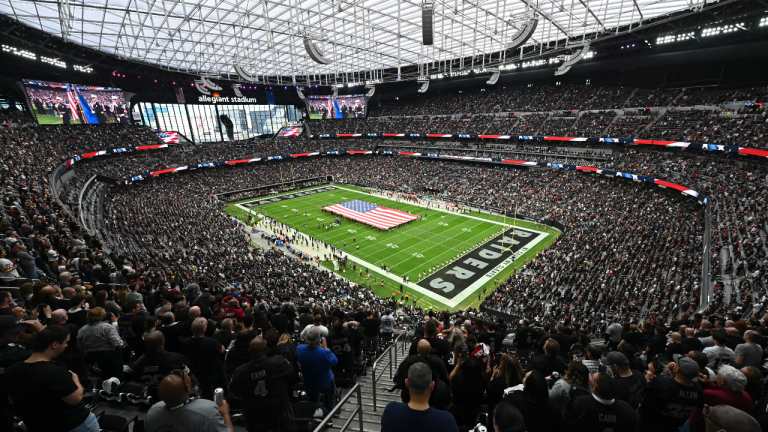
(371, 214)
(683, 144)
(169, 137)
(291, 131)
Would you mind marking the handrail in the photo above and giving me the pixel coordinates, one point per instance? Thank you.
(358, 410)
(388, 353)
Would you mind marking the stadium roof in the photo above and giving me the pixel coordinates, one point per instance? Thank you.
(266, 37)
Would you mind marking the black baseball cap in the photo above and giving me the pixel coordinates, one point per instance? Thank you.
(9, 324)
(615, 358)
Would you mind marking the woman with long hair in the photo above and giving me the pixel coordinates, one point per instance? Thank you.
(107, 305)
(508, 373)
(238, 355)
(121, 293)
(577, 374)
(468, 384)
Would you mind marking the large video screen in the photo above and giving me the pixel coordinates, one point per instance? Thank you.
(63, 103)
(336, 107)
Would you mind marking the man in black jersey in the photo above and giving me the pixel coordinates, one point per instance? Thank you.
(131, 327)
(156, 363)
(341, 342)
(600, 411)
(265, 384)
(440, 347)
(669, 401)
(492, 337)
(524, 339)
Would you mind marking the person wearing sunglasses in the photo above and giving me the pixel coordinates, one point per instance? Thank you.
(177, 412)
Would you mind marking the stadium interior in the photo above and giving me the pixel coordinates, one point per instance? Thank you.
(385, 216)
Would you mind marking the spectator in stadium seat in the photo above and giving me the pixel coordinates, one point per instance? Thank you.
(540, 412)
(592, 362)
(755, 382)
(508, 374)
(176, 411)
(657, 344)
(728, 390)
(317, 324)
(203, 354)
(279, 320)
(417, 415)
(468, 384)
(483, 354)
(234, 311)
(316, 361)
(441, 394)
(550, 361)
(156, 363)
(135, 295)
(507, 418)
(387, 325)
(524, 339)
(238, 354)
(226, 336)
(675, 346)
(750, 352)
(719, 354)
(601, 410)
(371, 330)
(728, 418)
(172, 332)
(578, 377)
(10, 354)
(281, 344)
(679, 391)
(341, 343)
(131, 326)
(630, 383)
(440, 347)
(102, 344)
(37, 383)
(265, 384)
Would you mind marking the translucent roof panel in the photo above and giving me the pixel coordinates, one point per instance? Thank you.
(266, 36)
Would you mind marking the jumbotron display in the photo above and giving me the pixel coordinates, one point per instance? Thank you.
(65, 103)
(336, 107)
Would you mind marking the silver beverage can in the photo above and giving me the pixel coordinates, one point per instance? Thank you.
(218, 396)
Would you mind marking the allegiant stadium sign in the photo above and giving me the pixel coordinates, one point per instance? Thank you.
(226, 99)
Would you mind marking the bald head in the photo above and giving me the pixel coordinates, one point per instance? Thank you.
(424, 348)
(59, 316)
(732, 332)
(689, 332)
(676, 337)
(173, 390)
(257, 348)
(68, 292)
(155, 341)
(194, 312)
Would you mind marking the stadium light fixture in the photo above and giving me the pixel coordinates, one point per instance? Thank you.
(83, 69)
(53, 61)
(523, 34)
(20, 52)
(424, 84)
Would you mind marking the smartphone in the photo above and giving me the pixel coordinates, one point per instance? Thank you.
(464, 352)
(462, 326)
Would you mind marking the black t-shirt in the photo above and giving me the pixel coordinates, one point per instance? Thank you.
(131, 328)
(185, 328)
(492, 339)
(546, 365)
(631, 389)
(264, 384)
(172, 333)
(657, 344)
(343, 346)
(205, 355)
(524, 338)
(151, 368)
(225, 338)
(440, 347)
(77, 318)
(360, 316)
(280, 323)
(371, 327)
(38, 388)
(676, 348)
(10, 355)
(587, 414)
(668, 404)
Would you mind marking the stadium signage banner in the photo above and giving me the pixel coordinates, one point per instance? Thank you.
(482, 264)
(226, 99)
(279, 198)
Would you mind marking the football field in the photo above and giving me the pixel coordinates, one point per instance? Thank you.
(449, 257)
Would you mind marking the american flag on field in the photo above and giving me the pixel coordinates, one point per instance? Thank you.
(71, 101)
(291, 131)
(371, 214)
(169, 137)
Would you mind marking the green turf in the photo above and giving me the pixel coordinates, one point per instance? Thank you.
(49, 119)
(407, 250)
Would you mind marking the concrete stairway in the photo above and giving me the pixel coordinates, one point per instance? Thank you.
(372, 411)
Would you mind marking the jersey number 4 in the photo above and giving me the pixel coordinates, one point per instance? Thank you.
(261, 388)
